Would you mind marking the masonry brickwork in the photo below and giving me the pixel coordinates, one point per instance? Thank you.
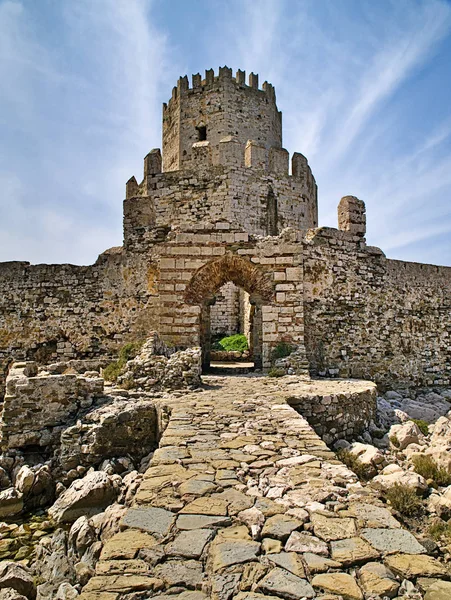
(221, 206)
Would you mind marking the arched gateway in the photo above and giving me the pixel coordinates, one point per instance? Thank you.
(256, 283)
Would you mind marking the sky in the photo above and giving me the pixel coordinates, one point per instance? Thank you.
(364, 88)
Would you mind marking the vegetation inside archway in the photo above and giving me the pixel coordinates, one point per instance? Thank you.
(229, 332)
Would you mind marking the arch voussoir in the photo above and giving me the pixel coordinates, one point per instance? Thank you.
(208, 279)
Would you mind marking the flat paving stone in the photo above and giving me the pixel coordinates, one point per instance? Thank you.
(441, 590)
(333, 528)
(201, 521)
(373, 516)
(375, 579)
(290, 561)
(285, 584)
(153, 520)
(190, 544)
(352, 551)
(319, 564)
(410, 566)
(280, 526)
(303, 542)
(233, 552)
(342, 584)
(393, 540)
(176, 572)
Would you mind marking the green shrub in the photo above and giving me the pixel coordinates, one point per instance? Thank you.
(364, 472)
(404, 499)
(234, 343)
(422, 425)
(126, 353)
(427, 467)
(275, 372)
(282, 350)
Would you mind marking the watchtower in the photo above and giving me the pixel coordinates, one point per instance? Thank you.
(215, 108)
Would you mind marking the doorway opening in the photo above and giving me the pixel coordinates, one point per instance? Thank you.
(231, 292)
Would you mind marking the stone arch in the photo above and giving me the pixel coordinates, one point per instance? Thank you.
(206, 282)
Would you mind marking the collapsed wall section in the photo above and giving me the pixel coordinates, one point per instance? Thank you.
(373, 318)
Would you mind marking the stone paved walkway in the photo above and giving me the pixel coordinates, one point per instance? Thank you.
(243, 500)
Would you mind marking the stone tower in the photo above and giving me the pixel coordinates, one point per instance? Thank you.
(214, 109)
(223, 163)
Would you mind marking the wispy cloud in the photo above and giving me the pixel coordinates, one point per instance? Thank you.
(105, 118)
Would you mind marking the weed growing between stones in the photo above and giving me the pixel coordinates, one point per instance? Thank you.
(394, 440)
(126, 353)
(440, 530)
(427, 467)
(404, 500)
(276, 372)
(282, 350)
(364, 472)
(422, 425)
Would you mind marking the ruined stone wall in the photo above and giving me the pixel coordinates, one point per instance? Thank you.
(224, 106)
(373, 318)
(56, 312)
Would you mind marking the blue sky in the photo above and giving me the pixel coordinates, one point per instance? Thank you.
(364, 87)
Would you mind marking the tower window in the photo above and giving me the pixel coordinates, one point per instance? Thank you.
(201, 133)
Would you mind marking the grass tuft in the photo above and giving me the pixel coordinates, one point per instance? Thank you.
(422, 425)
(439, 530)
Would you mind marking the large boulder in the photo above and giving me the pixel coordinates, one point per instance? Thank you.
(16, 576)
(121, 427)
(394, 475)
(428, 408)
(368, 455)
(405, 434)
(441, 503)
(87, 496)
(440, 443)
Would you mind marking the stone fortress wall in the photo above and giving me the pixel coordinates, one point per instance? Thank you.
(234, 213)
(371, 317)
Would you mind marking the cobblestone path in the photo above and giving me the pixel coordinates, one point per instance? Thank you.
(243, 500)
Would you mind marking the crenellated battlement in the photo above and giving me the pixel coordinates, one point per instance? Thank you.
(251, 157)
(224, 76)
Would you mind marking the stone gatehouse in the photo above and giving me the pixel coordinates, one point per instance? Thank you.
(222, 235)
